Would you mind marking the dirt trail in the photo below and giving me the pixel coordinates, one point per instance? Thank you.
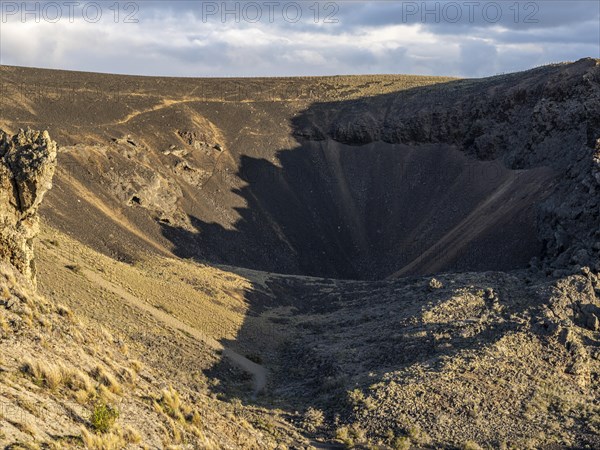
(166, 103)
(258, 372)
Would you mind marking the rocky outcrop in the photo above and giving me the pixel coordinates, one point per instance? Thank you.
(532, 118)
(27, 165)
(568, 220)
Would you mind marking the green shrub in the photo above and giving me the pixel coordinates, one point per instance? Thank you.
(103, 417)
(351, 435)
(417, 435)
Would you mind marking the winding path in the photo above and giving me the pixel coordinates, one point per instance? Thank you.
(258, 372)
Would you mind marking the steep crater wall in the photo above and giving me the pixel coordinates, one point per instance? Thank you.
(330, 209)
(546, 117)
(485, 174)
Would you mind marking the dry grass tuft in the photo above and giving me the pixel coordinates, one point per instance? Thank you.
(25, 427)
(43, 373)
(131, 435)
(170, 403)
(4, 326)
(109, 441)
(128, 376)
(136, 365)
(54, 376)
(5, 293)
(107, 379)
(64, 311)
(313, 419)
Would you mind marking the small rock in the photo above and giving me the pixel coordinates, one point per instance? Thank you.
(589, 317)
(591, 322)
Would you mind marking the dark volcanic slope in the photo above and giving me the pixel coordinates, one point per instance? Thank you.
(368, 211)
(352, 177)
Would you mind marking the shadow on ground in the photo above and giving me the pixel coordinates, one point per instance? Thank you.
(352, 202)
(356, 207)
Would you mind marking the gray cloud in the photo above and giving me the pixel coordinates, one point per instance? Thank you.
(176, 38)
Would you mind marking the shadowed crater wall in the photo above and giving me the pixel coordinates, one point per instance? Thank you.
(464, 175)
(334, 210)
(373, 177)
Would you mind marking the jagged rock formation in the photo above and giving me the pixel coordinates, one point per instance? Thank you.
(27, 165)
(568, 220)
(526, 118)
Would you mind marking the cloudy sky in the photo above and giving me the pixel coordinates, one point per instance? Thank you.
(269, 38)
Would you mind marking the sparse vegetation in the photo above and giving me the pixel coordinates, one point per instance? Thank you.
(401, 443)
(313, 419)
(471, 445)
(107, 379)
(103, 417)
(434, 284)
